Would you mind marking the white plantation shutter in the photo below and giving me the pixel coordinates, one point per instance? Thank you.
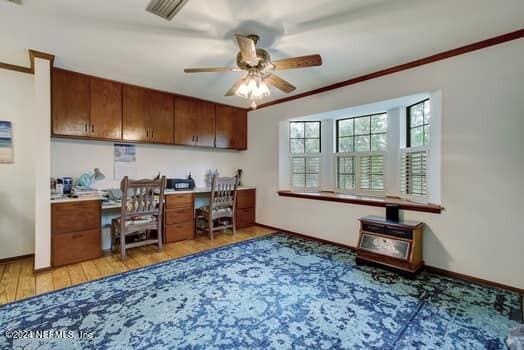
(413, 172)
(371, 170)
(305, 172)
(346, 173)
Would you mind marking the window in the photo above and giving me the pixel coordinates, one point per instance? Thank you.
(362, 134)
(304, 150)
(304, 137)
(392, 148)
(361, 146)
(418, 122)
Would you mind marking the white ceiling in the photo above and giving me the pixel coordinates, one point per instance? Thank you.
(118, 39)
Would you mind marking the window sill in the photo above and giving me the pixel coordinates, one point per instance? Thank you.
(364, 200)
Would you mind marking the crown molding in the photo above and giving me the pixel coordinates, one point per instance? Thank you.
(405, 66)
(31, 69)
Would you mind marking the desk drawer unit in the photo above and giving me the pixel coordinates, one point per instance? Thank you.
(76, 246)
(180, 232)
(75, 232)
(179, 221)
(75, 216)
(245, 210)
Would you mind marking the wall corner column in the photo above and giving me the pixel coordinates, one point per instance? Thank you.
(42, 162)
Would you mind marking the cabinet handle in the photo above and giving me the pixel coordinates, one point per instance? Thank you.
(85, 127)
(92, 127)
(152, 134)
(193, 139)
(147, 133)
(197, 139)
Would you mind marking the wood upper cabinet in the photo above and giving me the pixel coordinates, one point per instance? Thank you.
(231, 127)
(135, 119)
(194, 122)
(106, 109)
(70, 103)
(161, 117)
(94, 108)
(148, 115)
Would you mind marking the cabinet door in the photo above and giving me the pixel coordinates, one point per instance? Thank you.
(194, 122)
(231, 127)
(106, 109)
(70, 103)
(162, 117)
(135, 114)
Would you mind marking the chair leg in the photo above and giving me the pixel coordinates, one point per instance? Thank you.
(210, 227)
(159, 237)
(122, 247)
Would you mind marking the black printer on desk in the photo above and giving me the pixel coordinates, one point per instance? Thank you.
(181, 184)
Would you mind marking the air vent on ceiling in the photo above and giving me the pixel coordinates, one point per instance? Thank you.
(19, 2)
(166, 8)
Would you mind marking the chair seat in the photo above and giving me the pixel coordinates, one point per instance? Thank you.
(148, 222)
(217, 212)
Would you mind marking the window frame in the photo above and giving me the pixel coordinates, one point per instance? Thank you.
(305, 156)
(423, 125)
(357, 155)
(304, 122)
(337, 132)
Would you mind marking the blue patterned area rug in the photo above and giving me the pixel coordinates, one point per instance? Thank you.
(277, 292)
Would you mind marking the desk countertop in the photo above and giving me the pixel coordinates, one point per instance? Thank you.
(112, 204)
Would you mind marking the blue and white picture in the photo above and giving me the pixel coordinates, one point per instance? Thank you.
(6, 142)
(125, 161)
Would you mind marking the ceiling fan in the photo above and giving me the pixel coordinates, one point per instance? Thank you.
(260, 70)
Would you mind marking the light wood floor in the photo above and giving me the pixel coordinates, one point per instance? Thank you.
(17, 280)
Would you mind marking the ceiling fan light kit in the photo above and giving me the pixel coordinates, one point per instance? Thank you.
(260, 70)
(253, 88)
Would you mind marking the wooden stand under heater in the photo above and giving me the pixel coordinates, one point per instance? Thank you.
(396, 245)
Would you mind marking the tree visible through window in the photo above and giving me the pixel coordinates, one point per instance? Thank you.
(362, 134)
(418, 123)
(304, 137)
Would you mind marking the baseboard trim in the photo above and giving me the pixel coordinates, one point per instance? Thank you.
(43, 269)
(432, 269)
(313, 238)
(15, 258)
(472, 279)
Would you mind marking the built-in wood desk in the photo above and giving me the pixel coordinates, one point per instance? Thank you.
(76, 222)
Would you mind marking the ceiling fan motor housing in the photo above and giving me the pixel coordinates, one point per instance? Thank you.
(264, 64)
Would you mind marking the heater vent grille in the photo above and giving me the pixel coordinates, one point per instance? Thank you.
(166, 9)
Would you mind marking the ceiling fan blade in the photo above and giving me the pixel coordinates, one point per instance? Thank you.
(280, 83)
(298, 62)
(248, 50)
(234, 88)
(212, 70)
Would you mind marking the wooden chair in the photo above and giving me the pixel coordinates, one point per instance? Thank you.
(141, 213)
(220, 214)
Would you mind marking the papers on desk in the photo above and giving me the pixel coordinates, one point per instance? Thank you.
(86, 192)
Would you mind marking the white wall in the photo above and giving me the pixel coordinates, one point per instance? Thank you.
(73, 158)
(17, 180)
(480, 232)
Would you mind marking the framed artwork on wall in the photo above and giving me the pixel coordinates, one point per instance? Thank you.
(6, 142)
